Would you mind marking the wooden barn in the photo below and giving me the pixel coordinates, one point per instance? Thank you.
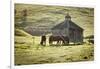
(66, 31)
(70, 29)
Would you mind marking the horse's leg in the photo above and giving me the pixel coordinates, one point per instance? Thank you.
(41, 42)
(63, 42)
(57, 42)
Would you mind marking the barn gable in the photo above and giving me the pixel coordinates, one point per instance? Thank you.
(70, 29)
(64, 24)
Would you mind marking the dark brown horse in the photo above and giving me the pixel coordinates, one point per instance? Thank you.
(43, 40)
(58, 39)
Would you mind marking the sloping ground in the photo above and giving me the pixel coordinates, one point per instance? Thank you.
(19, 32)
(23, 38)
(49, 16)
(49, 54)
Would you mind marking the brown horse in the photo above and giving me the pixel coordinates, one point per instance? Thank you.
(58, 39)
(43, 40)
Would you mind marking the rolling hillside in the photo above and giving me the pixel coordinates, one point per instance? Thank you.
(43, 16)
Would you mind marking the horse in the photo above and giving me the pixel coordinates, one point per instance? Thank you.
(58, 39)
(43, 40)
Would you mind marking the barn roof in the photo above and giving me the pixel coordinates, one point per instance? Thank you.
(63, 25)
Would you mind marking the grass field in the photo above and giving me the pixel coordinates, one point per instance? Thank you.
(28, 51)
